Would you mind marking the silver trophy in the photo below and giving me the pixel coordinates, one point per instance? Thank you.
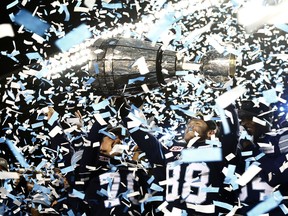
(115, 73)
(217, 67)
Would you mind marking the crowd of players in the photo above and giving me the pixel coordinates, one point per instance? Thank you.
(231, 166)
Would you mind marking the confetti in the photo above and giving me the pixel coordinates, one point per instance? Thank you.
(30, 22)
(250, 173)
(75, 37)
(201, 155)
(268, 204)
(6, 30)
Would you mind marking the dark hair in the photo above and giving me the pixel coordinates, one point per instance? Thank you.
(119, 131)
(211, 124)
(249, 109)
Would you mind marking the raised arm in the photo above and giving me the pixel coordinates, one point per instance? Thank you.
(140, 134)
(231, 139)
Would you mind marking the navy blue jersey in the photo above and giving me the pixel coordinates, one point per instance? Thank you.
(272, 177)
(197, 188)
(278, 140)
(111, 186)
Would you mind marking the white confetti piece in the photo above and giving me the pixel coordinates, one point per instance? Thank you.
(142, 66)
(9, 175)
(192, 141)
(249, 174)
(100, 119)
(256, 66)
(208, 209)
(259, 121)
(56, 130)
(6, 30)
(230, 97)
(145, 88)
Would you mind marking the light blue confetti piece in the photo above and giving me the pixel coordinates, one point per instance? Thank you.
(231, 178)
(102, 192)
(284, 209)
(105, 114)
(12, 4)
(131, 81)
(259, 156)
(151, 179)
(283, 27)
(230, 173)
(17, 154)
(29, 98)
(246, 153)
(162, 25)
(270, 96)
(2, 139)
(40, 165)
(156, 187)
(107, 134)
(223, 205)
(123, 131)
(201, 155)
(34, 55)
(22, 128)
(41, 188)
(53, 118)
(235, 3)
(37, 125)
(265, 206)
(63, 7)
(70, 213)
(67, 169)
(132, 130)
(11, 196)
(75, 37)
(41, 73)
(100, 105)
(210, 189)
(200, 89)
(154, 198)
(78, 194)
(112, 5)
(181, 73)
(30, 22)
(96, 68)
(90, 80)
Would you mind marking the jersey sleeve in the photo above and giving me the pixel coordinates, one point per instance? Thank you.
(146, 142)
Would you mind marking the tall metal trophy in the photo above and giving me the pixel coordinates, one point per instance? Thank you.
(124, 65)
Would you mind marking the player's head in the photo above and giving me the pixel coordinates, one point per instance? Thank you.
(255, 118)
(113, 138)
(197, 127)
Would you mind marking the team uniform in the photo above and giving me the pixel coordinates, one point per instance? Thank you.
(112, 186)
(272, 176)
(195, 188)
